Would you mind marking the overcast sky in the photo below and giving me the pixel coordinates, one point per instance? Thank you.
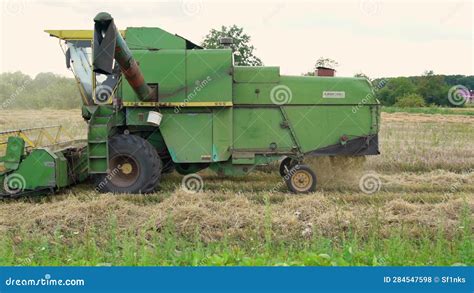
(378, 38)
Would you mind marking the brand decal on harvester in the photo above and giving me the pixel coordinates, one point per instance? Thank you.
(334, 95)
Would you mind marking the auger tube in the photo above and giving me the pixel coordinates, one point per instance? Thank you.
(109, 45)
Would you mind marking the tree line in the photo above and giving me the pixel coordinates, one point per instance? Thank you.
(45, 90)
(419, 91)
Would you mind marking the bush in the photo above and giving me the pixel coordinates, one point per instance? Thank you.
(409, 101)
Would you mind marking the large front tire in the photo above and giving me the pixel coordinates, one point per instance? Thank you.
(134, 166)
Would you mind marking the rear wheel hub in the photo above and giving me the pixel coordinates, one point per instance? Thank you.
(302, 180)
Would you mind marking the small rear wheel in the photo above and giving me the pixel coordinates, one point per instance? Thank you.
(301, 179)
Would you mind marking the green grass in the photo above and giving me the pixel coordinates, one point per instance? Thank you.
(431, 110)
(171, 250)
(164, 247)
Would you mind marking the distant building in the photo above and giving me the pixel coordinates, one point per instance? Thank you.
(324, 71)
(470, 99)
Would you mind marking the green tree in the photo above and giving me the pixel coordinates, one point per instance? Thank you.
(46, 90)
(433, 88)
(241, 46)
(361, 74)
(410, 100)
(13, 86)
(326, 62)
(394, 88)
(467, 81)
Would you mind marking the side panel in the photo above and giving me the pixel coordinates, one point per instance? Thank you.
(62, 174)
(165, 67)
(220, 119)
(252, 93)
(38, 170)
(301, 90)
(257, 74)
(221, 134)
(320, 126)
(188, 136)
(260, 129)
(208, 76)
(152, 38)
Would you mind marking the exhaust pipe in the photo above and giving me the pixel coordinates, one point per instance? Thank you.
(109, 45)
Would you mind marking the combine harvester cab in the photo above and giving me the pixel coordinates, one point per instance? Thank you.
(158, 102)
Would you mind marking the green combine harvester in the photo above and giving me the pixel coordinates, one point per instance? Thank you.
(156, 102)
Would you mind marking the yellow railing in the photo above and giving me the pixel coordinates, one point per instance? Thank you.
(36, 137)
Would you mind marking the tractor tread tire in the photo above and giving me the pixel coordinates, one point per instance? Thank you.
(151, 169)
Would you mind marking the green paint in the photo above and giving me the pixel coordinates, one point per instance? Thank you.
(43, 168)
(15, 150)
(272, 115)
(189, 135)
(146, 38)
(256, 74)
(165, 67)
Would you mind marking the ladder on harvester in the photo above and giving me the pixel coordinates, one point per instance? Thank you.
(98, 140)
